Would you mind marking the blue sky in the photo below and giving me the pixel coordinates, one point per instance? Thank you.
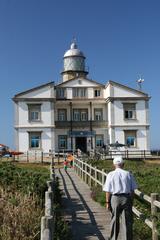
(120, 39)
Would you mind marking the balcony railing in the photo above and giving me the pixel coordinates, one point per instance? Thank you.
(81, 124)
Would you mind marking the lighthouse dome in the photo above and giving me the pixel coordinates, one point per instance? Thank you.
(74, 51)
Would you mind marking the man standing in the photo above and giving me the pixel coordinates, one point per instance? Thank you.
(119, 188)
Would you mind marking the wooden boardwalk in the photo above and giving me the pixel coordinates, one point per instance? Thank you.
(88, 220)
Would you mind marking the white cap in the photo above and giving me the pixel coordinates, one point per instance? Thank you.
(118, 160)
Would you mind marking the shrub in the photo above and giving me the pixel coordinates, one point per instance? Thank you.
(21, 194)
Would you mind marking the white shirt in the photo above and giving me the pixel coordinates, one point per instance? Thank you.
(119, 181)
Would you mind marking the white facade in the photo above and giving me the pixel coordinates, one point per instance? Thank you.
(80, 113)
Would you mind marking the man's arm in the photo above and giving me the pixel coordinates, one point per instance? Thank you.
(108, 198)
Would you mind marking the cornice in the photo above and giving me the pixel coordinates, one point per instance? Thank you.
(15, 99)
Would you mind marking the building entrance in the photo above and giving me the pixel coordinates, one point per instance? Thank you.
(81, 143)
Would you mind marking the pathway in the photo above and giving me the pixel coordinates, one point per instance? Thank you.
(87, 218)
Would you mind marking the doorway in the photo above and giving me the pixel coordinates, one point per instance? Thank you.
(81, 143)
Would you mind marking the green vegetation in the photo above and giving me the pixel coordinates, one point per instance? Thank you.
(22, 192)
(147, 177)
(22, 198)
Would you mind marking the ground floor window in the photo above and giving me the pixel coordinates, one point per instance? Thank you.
(130, 137)
(99, 140)
(35, 139)
(62, 142)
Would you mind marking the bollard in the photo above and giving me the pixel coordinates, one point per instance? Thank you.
(50, 186)
(154, 196)
(52, 173)
(47, 228)
(48, 203)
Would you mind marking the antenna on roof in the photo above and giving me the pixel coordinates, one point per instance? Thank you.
(139, 82)
(74, 39)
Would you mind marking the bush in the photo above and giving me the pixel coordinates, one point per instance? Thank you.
(22, 195)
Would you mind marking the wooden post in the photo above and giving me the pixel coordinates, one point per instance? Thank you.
(27, 157)
(82, 172)
(50, 186)
(41, 157)
(103, 179)
(35, 156)
(90, 180)
(48, 203)
(95, 175)
(85, 174)
(47, 228)
(58, 158)
(52, 160)
(154, 196)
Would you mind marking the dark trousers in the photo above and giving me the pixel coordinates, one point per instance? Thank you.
(121, 206)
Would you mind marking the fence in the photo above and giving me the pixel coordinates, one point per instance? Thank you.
(91, 175)
(47, 221)
(40, 157)
(127, 154)
(37, 156)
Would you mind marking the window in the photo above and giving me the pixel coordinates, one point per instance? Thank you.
(99, 140)
(34, 112)
(80, 114)
(130, 138)
(76, 115)
(60, 92)
(84, 115)
(35, 139)
(98, 116)
(97, 92)
(62, 141)
(79, 92)
(62, 114)
(129, 110)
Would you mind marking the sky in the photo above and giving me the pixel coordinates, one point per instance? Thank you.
(120, 39)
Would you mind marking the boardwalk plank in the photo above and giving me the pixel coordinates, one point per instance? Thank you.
(88, 220)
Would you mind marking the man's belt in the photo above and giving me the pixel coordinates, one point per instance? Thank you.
(121, 194)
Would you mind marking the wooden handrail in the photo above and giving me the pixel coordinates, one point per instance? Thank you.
(82, 166)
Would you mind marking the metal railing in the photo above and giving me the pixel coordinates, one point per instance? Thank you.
(91, 175)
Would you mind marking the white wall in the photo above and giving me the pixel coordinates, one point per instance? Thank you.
(119, 114)
(142, 138)
(24, 139)
(124, 92)
(45, 92)
(45, 114)
(84, 83)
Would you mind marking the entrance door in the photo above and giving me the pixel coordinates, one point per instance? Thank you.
(81, 143)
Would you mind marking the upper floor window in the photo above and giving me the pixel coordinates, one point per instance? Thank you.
(34, 140)
(98, 114)
(130, 138)
(80, 114)
(97, 92)
(129, 110)
(60, 93)
(34, 112)
(62, 114)
(79, 92)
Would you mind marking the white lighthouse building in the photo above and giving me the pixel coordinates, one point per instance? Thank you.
(80, 113)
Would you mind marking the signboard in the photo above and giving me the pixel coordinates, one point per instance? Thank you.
(81, 133)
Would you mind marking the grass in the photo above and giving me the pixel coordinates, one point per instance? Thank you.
(147, 177)
(22, 192)
(22, 197)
